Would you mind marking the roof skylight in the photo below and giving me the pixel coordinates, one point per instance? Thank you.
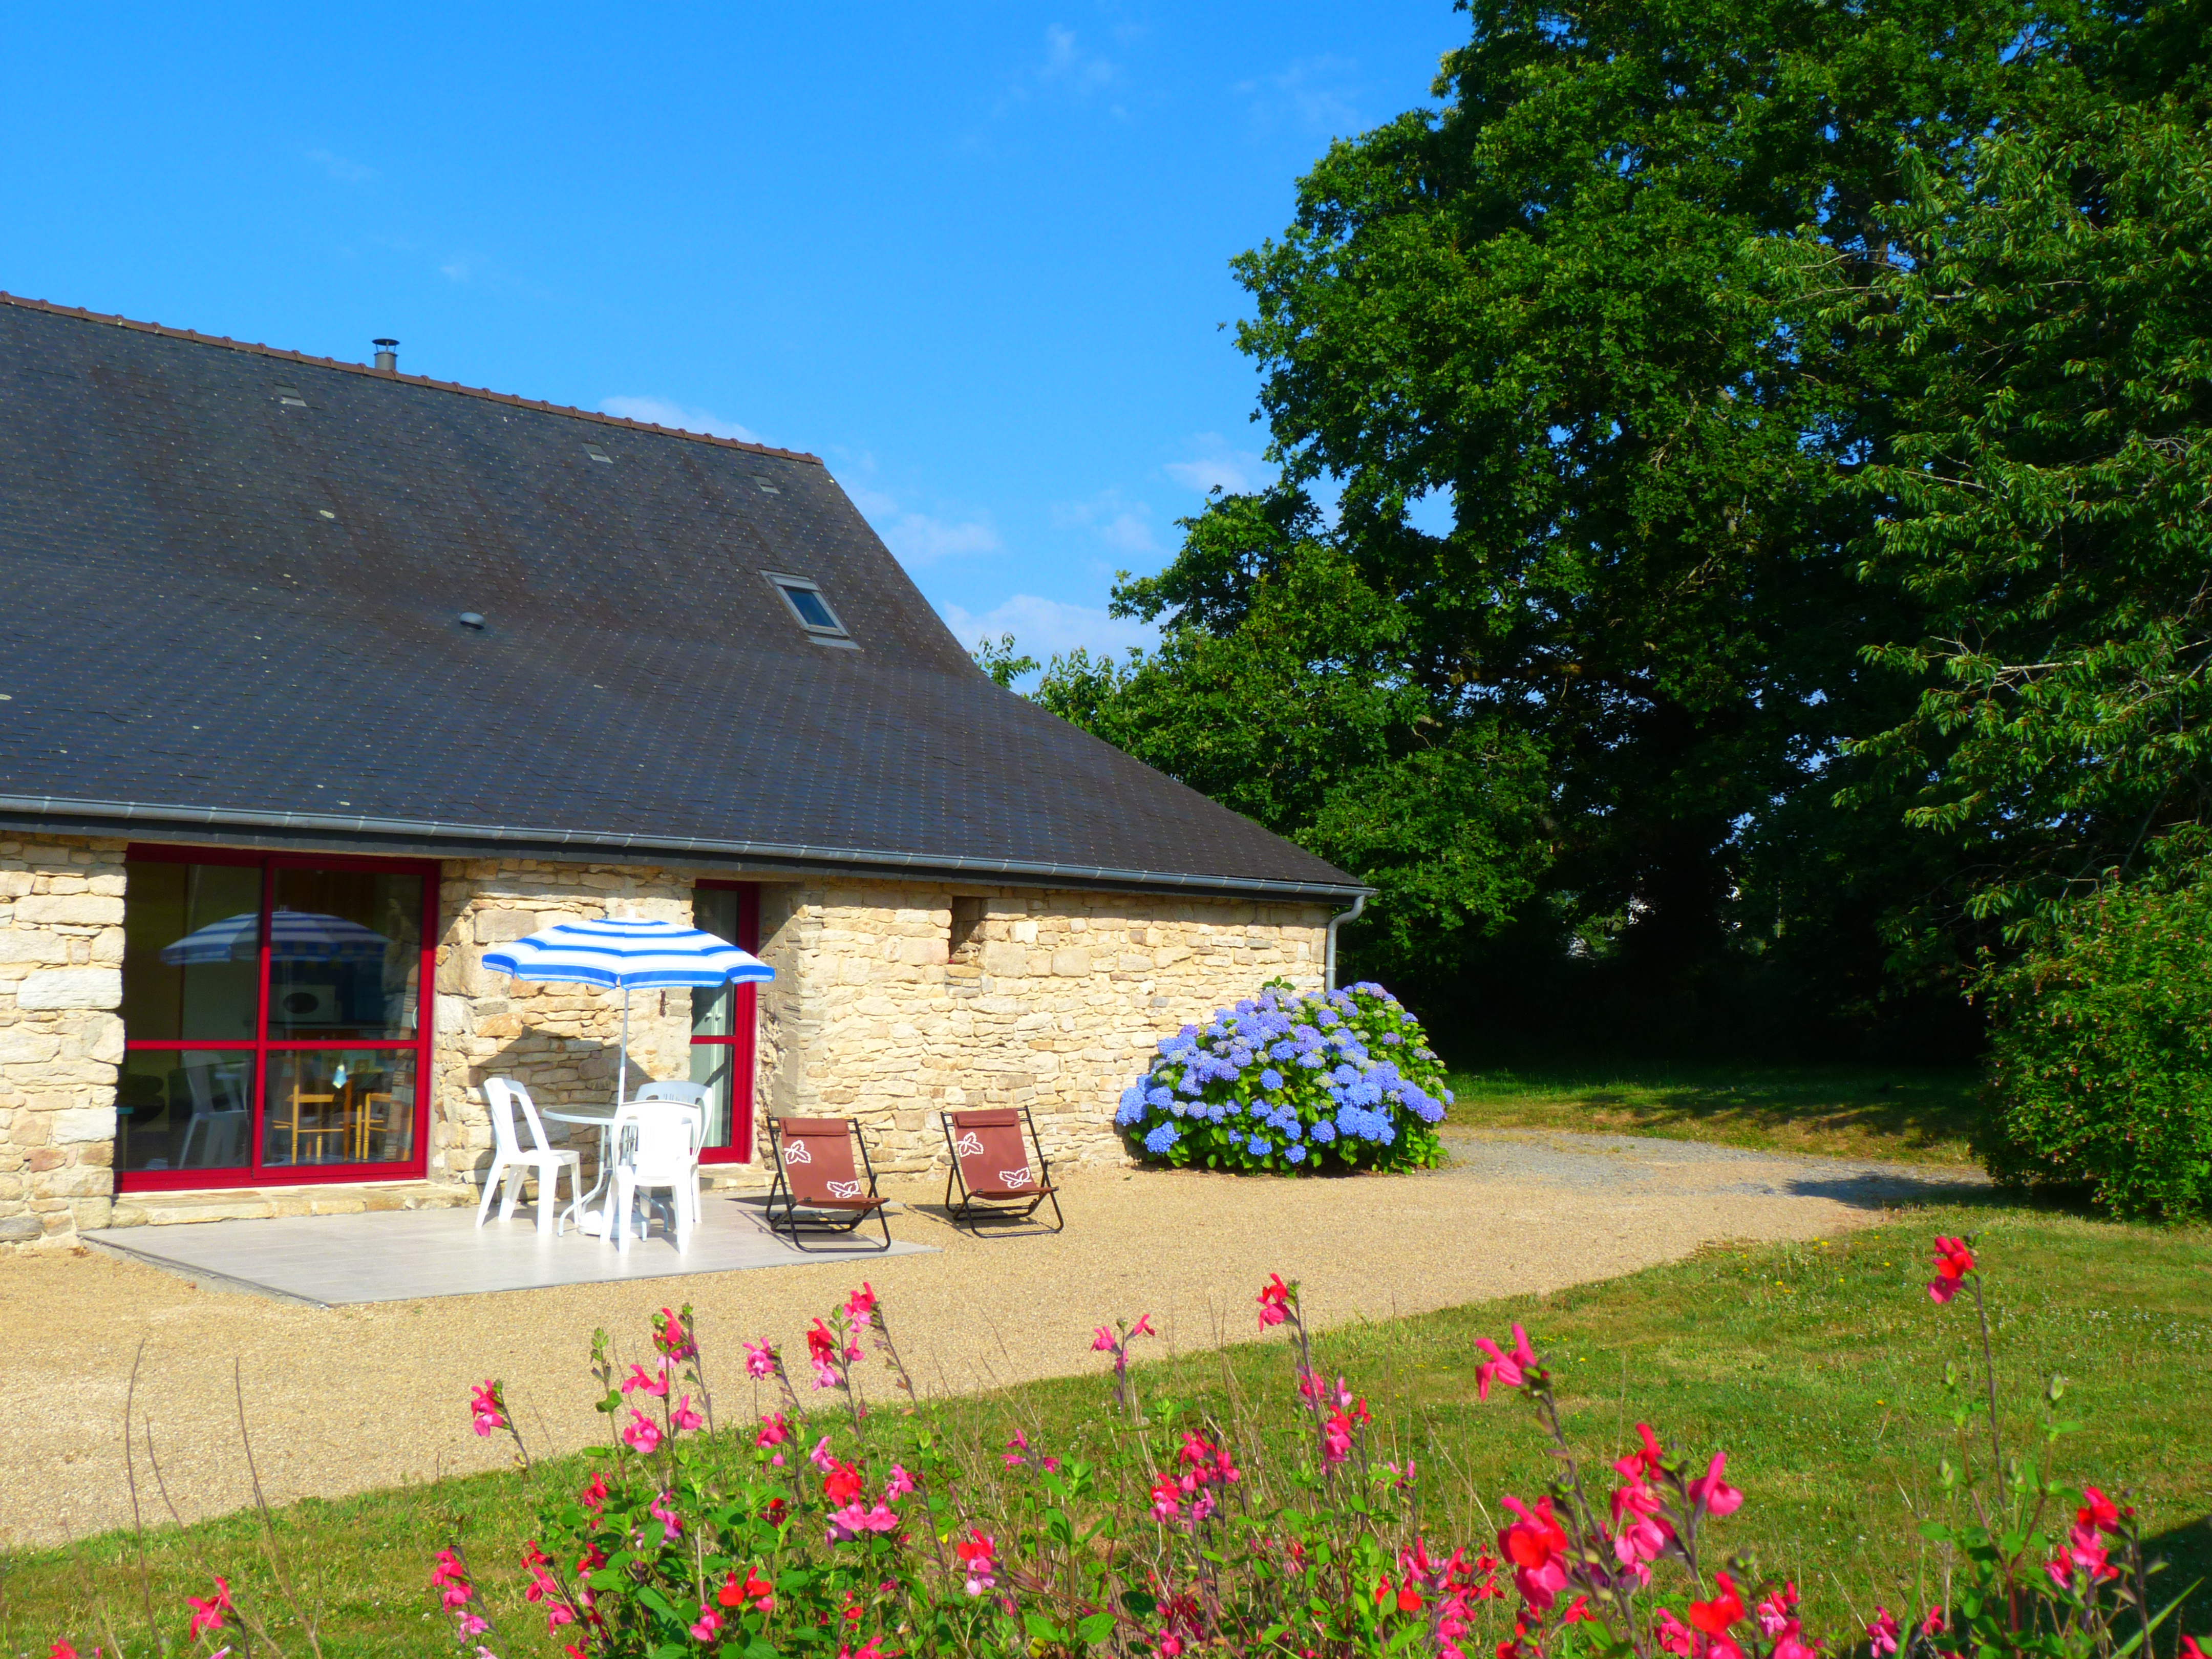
(598, 455)
(809, 607)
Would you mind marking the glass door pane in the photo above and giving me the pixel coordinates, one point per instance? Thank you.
(184, 1109)
(340, 1106)
(345, 954)
(192, 952)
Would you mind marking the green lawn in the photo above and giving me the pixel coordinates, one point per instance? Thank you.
(1915, 1114)
(1817, 1367)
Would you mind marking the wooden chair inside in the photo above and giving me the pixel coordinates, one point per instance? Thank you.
(324, 1130)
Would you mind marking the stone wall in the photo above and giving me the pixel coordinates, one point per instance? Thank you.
(61, 1040)
(559, 1041)
(895, 1001)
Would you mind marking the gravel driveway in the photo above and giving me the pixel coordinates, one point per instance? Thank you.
(345, 1399)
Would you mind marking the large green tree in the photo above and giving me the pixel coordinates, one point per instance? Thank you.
(1632, 302)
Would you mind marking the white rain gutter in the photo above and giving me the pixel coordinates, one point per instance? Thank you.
(1358, 904)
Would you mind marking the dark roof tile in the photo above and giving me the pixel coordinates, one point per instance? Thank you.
(225, 607)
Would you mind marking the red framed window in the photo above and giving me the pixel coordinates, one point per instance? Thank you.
(276, 1017)
(722, 1024)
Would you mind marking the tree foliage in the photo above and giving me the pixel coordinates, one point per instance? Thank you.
(1715, 328)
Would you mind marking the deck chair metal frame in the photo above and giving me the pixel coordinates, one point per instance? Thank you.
(989, 1195)
(828, 1214)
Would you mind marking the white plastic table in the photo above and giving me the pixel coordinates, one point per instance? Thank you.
(603, 1118)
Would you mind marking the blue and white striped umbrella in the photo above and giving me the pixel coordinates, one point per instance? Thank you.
(626, 955)
(293, 936)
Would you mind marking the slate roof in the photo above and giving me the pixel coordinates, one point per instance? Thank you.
(232, 578)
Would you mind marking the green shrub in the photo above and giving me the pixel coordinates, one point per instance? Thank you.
(2100, 1068)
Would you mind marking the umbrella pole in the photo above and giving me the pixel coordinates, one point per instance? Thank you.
(622, 1056)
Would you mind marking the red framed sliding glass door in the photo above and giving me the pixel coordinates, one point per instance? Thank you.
(276, 1018)
(722, 1024)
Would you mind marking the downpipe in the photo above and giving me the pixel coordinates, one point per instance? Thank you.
(1358, 904)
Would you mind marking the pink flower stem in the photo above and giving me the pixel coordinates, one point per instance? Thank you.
(1990, 1378)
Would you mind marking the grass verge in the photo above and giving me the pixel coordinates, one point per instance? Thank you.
(1905, 1115)
(1818, 1368)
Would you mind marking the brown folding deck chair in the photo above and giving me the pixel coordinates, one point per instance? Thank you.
(991, 1167)
(815, 1171)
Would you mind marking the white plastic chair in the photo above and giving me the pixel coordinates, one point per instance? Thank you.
(513, 1161)
(689, 1094)
(657, 1144)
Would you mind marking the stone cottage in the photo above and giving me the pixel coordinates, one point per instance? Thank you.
(317, 678)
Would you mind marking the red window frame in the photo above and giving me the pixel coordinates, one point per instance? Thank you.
(262, 1047)
(744, 1019)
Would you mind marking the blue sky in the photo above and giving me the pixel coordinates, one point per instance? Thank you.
(974, 257)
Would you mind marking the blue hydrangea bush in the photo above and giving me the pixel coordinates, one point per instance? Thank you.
(1289, 1082)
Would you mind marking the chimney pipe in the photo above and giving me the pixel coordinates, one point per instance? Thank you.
(387, 355)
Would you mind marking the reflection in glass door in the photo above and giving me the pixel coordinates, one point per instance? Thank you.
(722, 1024)
(273, 1018)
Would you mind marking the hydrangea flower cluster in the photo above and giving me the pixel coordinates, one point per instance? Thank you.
(1289, 1081)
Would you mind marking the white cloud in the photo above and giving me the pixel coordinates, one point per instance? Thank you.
(345, 171)
(1316, 93)
(1049, 627)
(664, 411)
(1068, 63)
(1124, 526)
(459, 268)
(1217, 466)
(918, 539)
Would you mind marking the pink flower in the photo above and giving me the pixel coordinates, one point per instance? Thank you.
(979, 1560)
(1717, 1497)
(1015, 1449)
(755, 1591)
(1507, 1370)
(209, 1613)
(663, 1510)
(1953, 1262)
(821, 1346)
(62, 1650)
(825, 1375)
(1167, 1500)
(1276, 1300)
(684, 1418)
(641, 1433)
(1643, 1464)
(1933, 1623)
(1101, 1340)
(898, 1485)
(1640, 1535)
(1536, 1545)
(774, 1431)
(672, 1340)
(1882, 1633)
(709, 1622)
(1777, 1612)
(861, 1304)
(762, 1361)
(655, 1386)
(820, 1455)
(2190, 1650)
(593, 1497)
(450, 1580)
(1673, 1635)
(486, 1409)
(854, 1519)
(1715, 1617)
